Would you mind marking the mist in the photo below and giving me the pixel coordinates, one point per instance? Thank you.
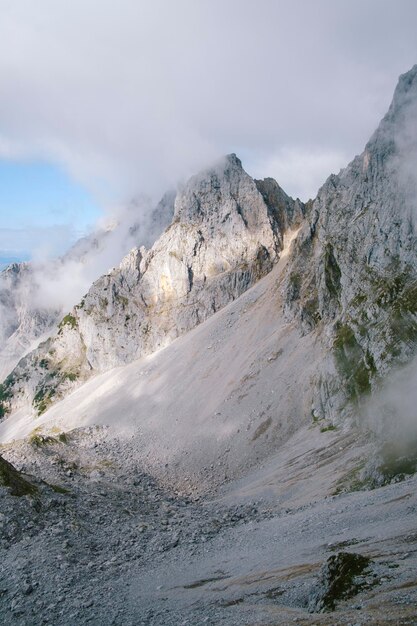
(35, 296)
(391, 414)
(62, 282)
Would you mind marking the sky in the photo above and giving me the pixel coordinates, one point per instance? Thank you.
(102, 101)
(41, 210)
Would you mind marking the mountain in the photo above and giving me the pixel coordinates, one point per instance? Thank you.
(352, 275)
(340, 305)
(225, 235)
(348, 285)
(34, 296)
(23, 322)
(223, 429)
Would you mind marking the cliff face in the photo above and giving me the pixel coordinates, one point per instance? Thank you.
(219, 244)
(225, 235)
(351, 277)
(353, 272)
(35, 296)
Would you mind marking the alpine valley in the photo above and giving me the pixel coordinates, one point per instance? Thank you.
(222, 428)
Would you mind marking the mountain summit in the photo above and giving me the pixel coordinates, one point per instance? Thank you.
(350, 280)
(223, 429)
(227, 232)
(352, 275)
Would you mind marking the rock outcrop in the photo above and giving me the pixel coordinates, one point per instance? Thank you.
(35, 296)
(351, 278)
(353, 271)
(225, 235)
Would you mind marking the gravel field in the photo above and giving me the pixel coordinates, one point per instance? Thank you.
(102, 544)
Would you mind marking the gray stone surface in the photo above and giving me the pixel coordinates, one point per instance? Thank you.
(352, 275)
(226, 499)
(223, 238)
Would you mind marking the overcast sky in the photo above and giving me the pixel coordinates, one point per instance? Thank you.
(128, 97)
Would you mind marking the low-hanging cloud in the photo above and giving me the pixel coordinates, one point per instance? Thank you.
(61, 283)
(131, 98)
(392, 412)
(35, 296)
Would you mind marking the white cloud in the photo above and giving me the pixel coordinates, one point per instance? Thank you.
(391, 413)
(131, 97)
(301, 168)
(37, 242)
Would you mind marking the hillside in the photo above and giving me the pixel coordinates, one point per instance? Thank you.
(223, 430)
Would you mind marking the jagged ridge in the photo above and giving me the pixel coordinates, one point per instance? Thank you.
(353, 272)
(225, 236)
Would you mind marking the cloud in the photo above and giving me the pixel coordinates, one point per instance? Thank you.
(301, 168)
(61, 282)
(392, 413)
(37, 297)
(36, 242)
(132, 98)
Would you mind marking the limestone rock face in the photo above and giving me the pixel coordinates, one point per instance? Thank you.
(285, 213)
(219, 244)
(351, 278)
(353, 271)
(223, 238)
(33, 296)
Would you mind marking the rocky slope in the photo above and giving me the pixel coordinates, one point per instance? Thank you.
(34, 296)
(352, 276)
(218, 480)
(225, 235)
(98, 541)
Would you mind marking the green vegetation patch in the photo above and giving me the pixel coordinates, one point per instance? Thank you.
(59, 489)
(338, 580)
(398, 461)
(123, 300)
(71, 376)
(328, 428)
(396, 293)
(295, 282)
(68, 320)
(352, 481)
(38, 439)
(394, 463)
(3, 401)
(11, 478)
(311, 310)
(43, 399)
(355, 366)
(5, 396)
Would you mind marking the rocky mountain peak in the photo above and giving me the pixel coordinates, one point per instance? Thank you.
(220, 195)
(233, 160)
(405, 94)
(352, 275)
(225, 235)
(397, 131)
